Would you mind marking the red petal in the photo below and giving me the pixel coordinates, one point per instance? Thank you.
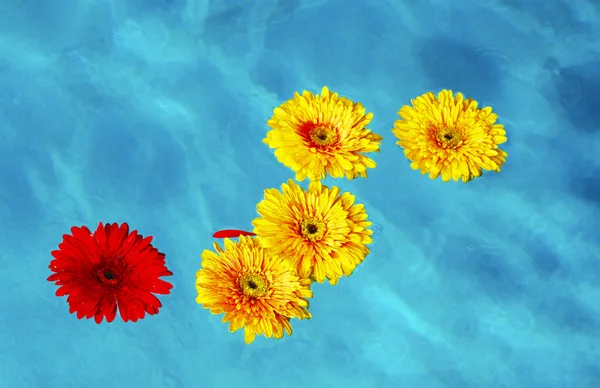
(149, 300)
(232, 233)
(100, 235)
(64, 290)
(137, 310)
(123, 307)
(128, 243)
(112, 313)
(58, 254)
(116, 235)
(92, 308)
(162, 287)
(145, 242)
(52, 278)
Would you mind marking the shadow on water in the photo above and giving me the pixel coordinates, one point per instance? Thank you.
(486, 267)
(453, 65)
(585, 184)
(544, 259)
(577, 89)
(559, 16)
(568, 313)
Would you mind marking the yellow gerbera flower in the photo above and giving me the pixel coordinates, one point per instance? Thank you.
(322, 233)
(257, 291)
(319, 135)
(450, 136)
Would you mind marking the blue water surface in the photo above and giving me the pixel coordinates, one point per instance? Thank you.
(152, 112)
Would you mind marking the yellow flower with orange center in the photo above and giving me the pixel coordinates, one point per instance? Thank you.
(256, 290)
(322, 135)
(322, 232)
(450, 136)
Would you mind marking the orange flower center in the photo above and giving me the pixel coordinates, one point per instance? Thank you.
(253, 285)
(447, 137)
(312, 229)
(107, 275)
(323, 136)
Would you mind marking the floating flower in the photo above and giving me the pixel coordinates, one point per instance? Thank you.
(109, 268)
(322, 232)
(256, 290)
(319, 135)
(231, 233)
(450, 136)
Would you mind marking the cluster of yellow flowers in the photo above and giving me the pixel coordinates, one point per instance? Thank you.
(303, 236)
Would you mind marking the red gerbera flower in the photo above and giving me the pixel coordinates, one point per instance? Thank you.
(108, 268)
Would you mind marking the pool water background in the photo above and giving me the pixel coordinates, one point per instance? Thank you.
(153, 112)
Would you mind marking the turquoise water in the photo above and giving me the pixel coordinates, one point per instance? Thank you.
(152, 113)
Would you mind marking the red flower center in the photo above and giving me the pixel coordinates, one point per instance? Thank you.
(108, 275)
